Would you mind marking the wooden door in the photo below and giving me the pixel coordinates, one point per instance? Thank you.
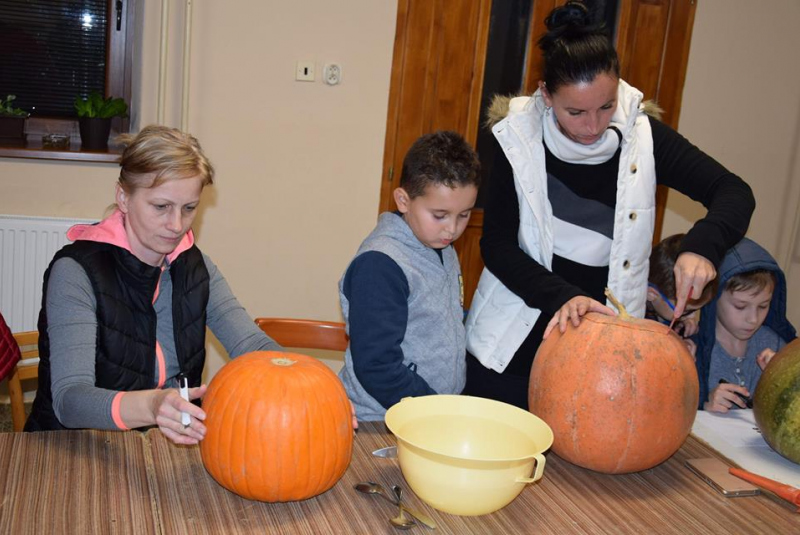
(437, 77)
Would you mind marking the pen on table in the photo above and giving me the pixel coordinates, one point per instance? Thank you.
(183, 385)
(748, 401)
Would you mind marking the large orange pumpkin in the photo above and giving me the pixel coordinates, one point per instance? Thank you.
(279, 427)
(619, 393)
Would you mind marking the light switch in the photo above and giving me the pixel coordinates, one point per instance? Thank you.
(305, 71)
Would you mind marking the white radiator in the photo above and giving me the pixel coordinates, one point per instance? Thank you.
(27, 244)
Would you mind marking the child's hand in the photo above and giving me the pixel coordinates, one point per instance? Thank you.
(573, 310)
(764, 357)
(725, 396)
(691, 346)
(353, 420)
(687, 326)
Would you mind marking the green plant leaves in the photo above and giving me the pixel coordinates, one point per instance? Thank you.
(7, 109)
(96, 106)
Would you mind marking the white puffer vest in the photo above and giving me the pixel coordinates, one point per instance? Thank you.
(499, 320)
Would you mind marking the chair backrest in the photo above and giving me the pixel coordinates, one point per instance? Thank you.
(310, 334)
(27, 368)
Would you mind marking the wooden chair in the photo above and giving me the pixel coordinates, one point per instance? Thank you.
(27, 368)
(310, 334)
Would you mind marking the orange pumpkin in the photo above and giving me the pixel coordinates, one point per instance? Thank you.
(279, 427)
(620, 393)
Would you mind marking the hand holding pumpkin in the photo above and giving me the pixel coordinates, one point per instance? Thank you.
(725, 396)
(167, 406)
(573, 310)
(764, 357)
(692, 273)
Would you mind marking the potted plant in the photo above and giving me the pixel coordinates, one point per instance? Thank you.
(94, 119)
(12, 122)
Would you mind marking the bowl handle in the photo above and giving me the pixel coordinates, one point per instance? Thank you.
(537, 474)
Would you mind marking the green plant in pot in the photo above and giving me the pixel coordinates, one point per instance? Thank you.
(12, 122)
(94, 119)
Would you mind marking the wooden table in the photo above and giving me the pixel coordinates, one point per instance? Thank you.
(114, 482)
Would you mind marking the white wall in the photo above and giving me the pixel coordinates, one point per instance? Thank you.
(741, 105)
(298, 163)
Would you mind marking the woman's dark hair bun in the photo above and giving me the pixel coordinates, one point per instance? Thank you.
(573, 13)
(575, 48)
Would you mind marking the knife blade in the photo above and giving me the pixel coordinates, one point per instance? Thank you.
(389, 452)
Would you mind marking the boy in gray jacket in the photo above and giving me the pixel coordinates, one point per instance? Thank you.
(402, 295)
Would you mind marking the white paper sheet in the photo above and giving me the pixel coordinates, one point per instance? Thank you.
(736, 436)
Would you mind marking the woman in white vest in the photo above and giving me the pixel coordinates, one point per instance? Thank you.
(570, 206)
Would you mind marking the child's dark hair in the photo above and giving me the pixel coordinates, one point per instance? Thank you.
(662, 263)
(439, 158)
(575, 49)
(754, 281)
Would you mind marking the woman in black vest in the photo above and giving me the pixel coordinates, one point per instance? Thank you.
(125, 307)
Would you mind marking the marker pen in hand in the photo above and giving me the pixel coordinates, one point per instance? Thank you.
(183, 384)
(748, 401)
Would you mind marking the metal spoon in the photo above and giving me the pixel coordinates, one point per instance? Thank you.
(400, 521)
(425, 520)
(370, 487)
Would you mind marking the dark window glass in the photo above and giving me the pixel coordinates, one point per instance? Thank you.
(505, 65)
(53, 50)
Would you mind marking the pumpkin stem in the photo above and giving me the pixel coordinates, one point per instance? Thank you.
(283, 361)
(622, 312)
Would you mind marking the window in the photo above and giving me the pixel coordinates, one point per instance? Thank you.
(55, 50)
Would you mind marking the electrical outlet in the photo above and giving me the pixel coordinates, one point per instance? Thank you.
(304, 71)
(332, 73)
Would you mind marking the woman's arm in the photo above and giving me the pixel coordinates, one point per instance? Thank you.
(229, 321)
(520, 273)
(728, 199)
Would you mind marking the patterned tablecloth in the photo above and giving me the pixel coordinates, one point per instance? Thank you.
(128, 482)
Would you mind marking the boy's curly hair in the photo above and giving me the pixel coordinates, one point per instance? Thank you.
(442, 157)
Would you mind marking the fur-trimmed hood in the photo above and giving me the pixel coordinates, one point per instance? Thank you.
(502, 104)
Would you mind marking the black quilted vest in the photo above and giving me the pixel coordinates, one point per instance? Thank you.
(126, 321)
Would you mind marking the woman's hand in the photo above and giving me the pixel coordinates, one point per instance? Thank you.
(167, 406)
(573, 310)
(764, 357)
(725, 396)
(692, 273)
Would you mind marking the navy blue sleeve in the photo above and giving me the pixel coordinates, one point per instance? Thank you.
(377, 291)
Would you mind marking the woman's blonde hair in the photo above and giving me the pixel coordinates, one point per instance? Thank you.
(158, 154)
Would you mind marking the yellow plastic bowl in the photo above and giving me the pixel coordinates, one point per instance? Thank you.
(465, 455)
